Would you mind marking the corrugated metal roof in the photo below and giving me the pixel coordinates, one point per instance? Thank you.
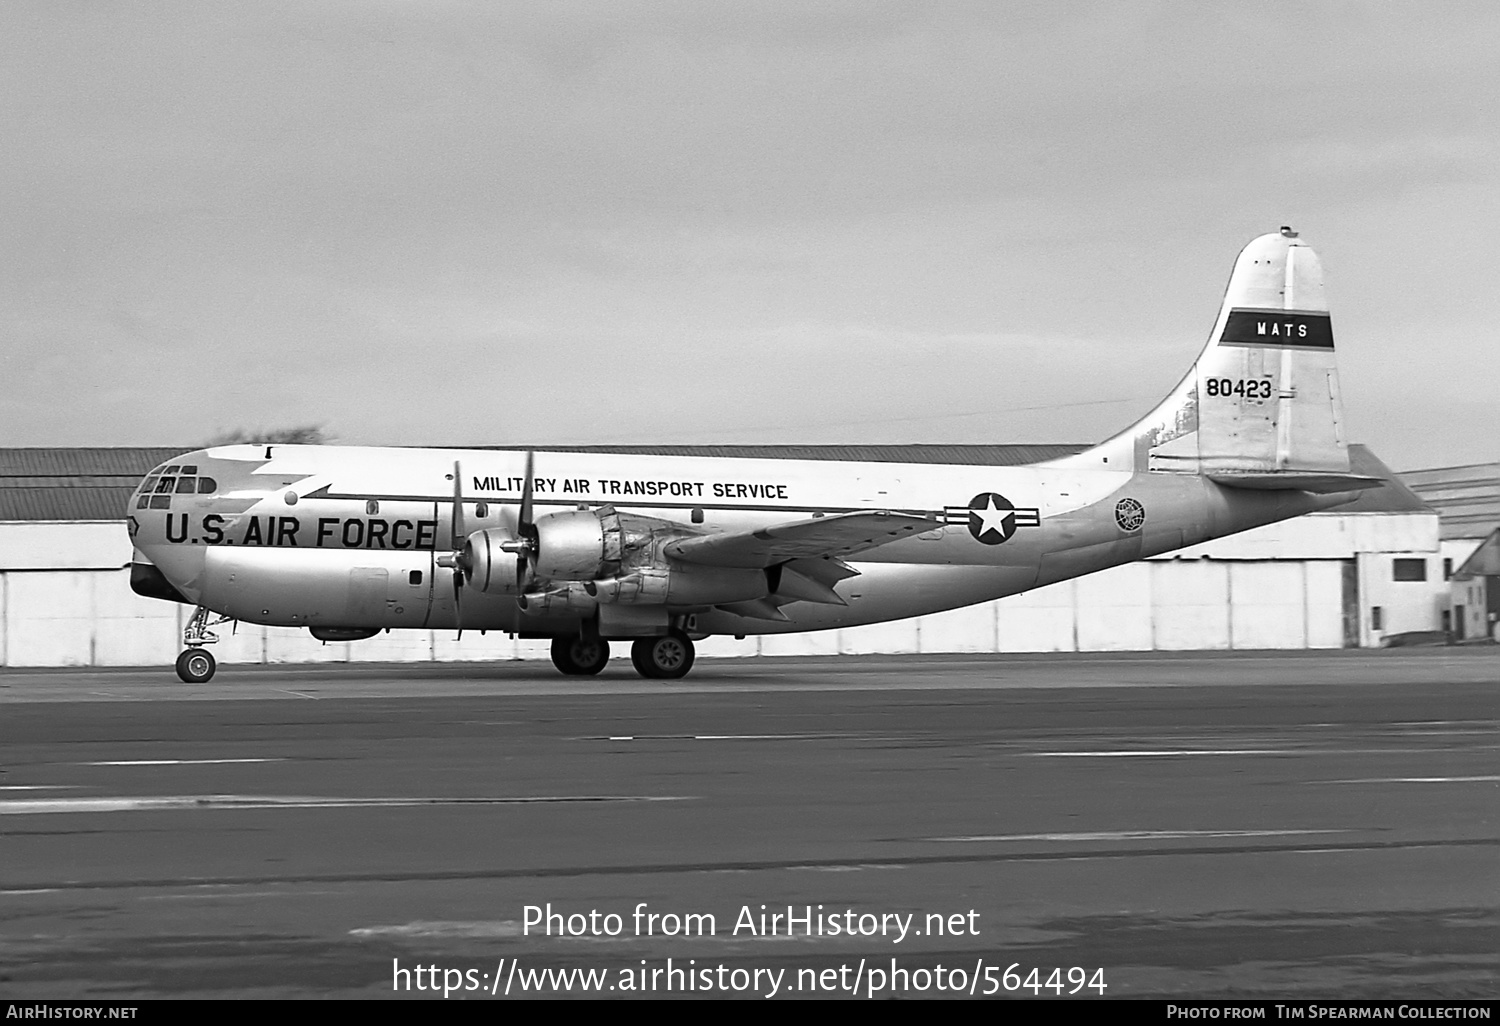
(128, 462)
(88, 503)
(1467, 498)
(95, 484)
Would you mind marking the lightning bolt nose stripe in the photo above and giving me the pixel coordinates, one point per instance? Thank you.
(991, 518)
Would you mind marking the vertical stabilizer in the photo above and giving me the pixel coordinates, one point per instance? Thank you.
(1261, 406)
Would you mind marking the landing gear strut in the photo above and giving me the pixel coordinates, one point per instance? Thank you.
(196, 665)
(578, 656)
(666, 657)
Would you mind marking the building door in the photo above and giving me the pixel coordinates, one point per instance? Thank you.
(1458, 622)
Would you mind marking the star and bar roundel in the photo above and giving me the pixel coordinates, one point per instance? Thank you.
(991, 518)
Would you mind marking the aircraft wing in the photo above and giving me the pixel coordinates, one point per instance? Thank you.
(836, 535)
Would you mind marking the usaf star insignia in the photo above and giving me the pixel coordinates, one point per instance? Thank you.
(991, 518)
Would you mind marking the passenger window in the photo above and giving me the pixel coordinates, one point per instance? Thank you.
(372, 507)
(415, 577)
(207, 486)
(187, 485)
(481, 510)
(166, 484)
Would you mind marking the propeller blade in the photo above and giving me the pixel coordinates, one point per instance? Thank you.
(459, 534)
(525, 519)
(525, 527)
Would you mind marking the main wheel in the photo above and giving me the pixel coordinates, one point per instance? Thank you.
(196, 666)
(667, 657)
(580, 656)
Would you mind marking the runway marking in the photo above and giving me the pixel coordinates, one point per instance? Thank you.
(1417, 780)
(30, 890)
(37, 787)
(441, 928)
(34, 806)
(1128, 753)
(174, 762)
(715, 737)
(1133, 835)
(299, 694)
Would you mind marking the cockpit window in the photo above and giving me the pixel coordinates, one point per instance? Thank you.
(166, 484)
(189, 469)
(150, 484)
(207, 485)
(159, 501)
(186, 486)
(172, 469)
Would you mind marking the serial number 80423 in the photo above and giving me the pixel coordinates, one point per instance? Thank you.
(1078, 977)
(1249, 389)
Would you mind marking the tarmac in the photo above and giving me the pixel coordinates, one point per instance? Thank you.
(1251, 825)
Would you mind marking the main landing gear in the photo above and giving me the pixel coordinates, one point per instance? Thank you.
(196, 665)
(580, 657)
(666, 657)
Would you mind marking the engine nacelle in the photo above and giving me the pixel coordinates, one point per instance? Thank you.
(570, 546)
(682, 584)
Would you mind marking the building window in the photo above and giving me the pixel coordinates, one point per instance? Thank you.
(1409, 569)
(1448, 569)
(1377, 618)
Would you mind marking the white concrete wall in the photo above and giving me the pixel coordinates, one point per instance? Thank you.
(65, 599)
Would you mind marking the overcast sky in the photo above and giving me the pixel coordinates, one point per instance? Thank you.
(435, 222)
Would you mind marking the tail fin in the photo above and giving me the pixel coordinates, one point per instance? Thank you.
(1260, 408)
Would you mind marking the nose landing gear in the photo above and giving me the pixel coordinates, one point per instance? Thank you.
(196, 665)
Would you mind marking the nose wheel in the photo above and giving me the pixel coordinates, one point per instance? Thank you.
(196, 666)
(666, 657)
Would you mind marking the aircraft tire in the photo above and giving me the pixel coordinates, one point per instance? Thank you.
(580, 657)
(196, 666)
(666, 657)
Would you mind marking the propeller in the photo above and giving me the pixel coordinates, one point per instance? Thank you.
(455, 559)
(524, 545)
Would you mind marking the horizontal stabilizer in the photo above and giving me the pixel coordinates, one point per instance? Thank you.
(840, 534)
(1291, 480)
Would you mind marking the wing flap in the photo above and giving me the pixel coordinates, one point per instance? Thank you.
(838, 535)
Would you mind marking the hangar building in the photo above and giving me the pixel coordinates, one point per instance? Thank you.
(1467, 501)
(1355, 576)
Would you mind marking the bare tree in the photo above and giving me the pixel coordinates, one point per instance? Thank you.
(307, 434)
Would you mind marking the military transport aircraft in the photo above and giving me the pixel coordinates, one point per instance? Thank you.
(587, 548)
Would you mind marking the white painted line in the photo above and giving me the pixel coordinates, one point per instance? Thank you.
(1133, 835)
(444, 928)
(37, 787)
(299, 694)
(1417, 780)
(175, 762)
(31, 890)
(1124, 754)
(170, 803)
(716, 737)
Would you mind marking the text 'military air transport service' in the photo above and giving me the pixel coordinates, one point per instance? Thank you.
(589, 548)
